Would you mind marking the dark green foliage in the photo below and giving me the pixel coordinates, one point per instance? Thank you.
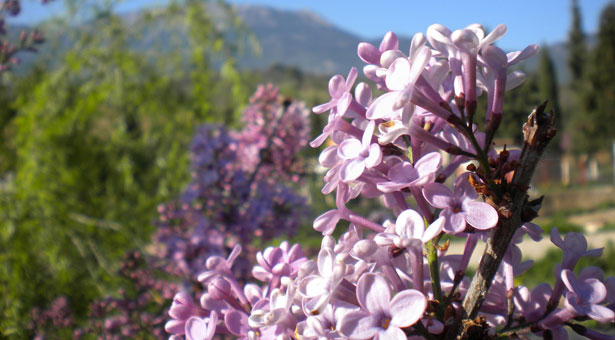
(594, 128)
(576, 45)
(548, 90)
(88, 151)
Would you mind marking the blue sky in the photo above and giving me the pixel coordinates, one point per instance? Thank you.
(528, 21)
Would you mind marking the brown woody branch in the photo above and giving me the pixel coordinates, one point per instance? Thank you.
(537, 132)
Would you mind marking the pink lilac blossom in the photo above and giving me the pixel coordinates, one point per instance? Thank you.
(385, 280)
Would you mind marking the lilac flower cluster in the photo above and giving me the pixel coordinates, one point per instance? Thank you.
(27, 40)
(392, 279)
(236, 194)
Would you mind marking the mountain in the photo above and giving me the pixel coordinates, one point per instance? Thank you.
(300, 39)
(297, 39)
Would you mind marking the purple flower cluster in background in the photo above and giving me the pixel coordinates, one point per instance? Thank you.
(391, 279)
(237, 193)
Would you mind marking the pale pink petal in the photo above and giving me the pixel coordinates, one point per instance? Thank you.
(363, 94)
(328, 157)
(382, 107)
(196, 329)
(398, 74)
(418, 41)
(438, 195)
(456, 222)
(349, 149)
(175, 327)
(407, 307)
(373, 293)
(434, 229)
(237, 323)
(419, 63)
(387, 187)
(358, 325)
(389, 42)
(514, 79)
(366, 141)
(375, 156)
(391, 333)
(343, 103)
(601, 314)
(429, 163)
(402, 172)
(352, 169)
(496, 34)
(337, 86)
(326, 222)
(516, 57)
(480, 215)
(368, 53)
(594, 291)
(315, 286)
(326, 260)
(352, 76)
(324, 107)
(410, 224)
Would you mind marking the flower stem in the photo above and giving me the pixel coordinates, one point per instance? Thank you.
(434, 274)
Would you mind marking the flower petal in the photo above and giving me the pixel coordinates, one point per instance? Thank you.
(480, 215)
(236, 322)
(434, 229)
(326, 222)
(349, 149)
(196, 329)
(438, 195)
(373, 293)
(407, 307)
(358, 325)
(410, 224)
(368, 53)
(601, 314)
(352, 169)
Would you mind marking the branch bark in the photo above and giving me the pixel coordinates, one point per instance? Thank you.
(538, 132)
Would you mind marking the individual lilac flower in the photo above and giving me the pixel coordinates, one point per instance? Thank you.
(323, 326)
(460, 207)
(574, 246)
(339, 89)
(380, 316)
(201, 329)
(276, 262)
(400, 79)
(405, 175)
(409, 231)
(181, 310)
(359, 155)
(318, 288)
(584, 297)
(532, 304)
(276, 310)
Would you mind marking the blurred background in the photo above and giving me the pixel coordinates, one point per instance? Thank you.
(100, 101)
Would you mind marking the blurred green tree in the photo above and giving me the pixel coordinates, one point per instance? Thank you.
(594, 128)
(548, 90)
(576, 46)
(98, 142)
